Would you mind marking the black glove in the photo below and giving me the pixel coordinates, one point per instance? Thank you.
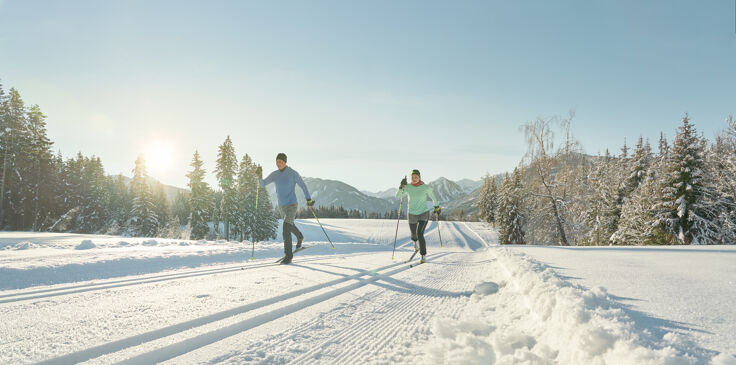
(310, 203)
(403, 183)
(259, 172)
(437, 209)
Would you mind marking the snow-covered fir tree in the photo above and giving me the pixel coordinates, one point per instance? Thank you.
(720, 176)
(510, 217)
(119, 205)
(95, 196)
(246, 194)
(598, 209)
(14, 183)
(487, 200)
(143, 220)
(199, 199)
(638, 167)
(682, 210)
(42, 169)
(226, 170)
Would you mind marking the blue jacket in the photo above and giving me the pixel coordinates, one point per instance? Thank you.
(285, 181)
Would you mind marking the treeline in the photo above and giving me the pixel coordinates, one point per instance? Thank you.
(685, 193)
(43, 191)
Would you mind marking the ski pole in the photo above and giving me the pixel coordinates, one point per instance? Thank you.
(438, 229)
(323, 228)
(396, 236)
(255, 211)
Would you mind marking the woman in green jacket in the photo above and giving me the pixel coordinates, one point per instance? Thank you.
(418, 192)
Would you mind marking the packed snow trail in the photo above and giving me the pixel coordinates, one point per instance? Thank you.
(472, 302)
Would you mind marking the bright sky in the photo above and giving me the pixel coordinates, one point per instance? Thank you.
(363, 92)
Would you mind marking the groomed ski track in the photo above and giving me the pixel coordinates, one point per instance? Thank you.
(342, 308)
(472, 302)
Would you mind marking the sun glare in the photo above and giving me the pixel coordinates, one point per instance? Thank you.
(159, 156)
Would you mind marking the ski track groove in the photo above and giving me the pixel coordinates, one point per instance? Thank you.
(389, 331)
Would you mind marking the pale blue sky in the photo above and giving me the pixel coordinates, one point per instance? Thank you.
(364, 91)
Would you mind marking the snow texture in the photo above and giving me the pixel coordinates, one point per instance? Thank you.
(142, 300)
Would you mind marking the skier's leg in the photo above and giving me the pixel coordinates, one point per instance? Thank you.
(289, 213)
(420, 233)
(413, 220)
(298, 234)
(286, 232)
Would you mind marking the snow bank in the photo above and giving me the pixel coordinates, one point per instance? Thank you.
(538, 318)
(724, 359)
(85, 245)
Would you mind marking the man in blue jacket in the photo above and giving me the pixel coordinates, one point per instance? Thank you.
(285, 179)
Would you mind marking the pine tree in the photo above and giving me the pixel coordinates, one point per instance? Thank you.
(720, 170)
(682, 211)
(247, 183)
(199, 199)
(510, 218)
(143, 221)
(95, 198)
(601, 208)
(226, 168)
(180, 208)
(161, 209)
(487, 200)
(15, 169)
(43, 170)
(119, 206)
(638, 167)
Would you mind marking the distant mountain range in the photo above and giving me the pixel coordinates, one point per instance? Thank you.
(452, 195)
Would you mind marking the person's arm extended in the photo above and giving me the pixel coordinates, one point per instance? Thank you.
(269, 179)
(430, 192)
(302, 185)
(400, 192)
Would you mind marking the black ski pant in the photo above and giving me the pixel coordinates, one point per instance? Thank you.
(288, 229)
(417, 233)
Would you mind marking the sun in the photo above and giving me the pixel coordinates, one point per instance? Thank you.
(159, 157)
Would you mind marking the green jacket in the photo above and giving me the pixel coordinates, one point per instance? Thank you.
(418, 197)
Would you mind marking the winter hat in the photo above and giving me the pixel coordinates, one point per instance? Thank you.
(415, 172)
(281, 156)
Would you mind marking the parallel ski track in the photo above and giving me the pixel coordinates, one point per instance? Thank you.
(182, 347)
(352, 335)
(75, 289)
(404, 317)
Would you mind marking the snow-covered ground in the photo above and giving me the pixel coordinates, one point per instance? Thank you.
(70, 298)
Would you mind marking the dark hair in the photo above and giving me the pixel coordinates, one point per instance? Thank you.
(281, 156)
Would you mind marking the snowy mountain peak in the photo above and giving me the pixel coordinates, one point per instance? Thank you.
(446, 190)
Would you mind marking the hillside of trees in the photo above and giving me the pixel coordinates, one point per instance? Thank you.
(685, 193)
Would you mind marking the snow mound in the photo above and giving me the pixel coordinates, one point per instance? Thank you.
(539, 318)
(85, 245)
(25, 245)
(486, 288)
(149, 243)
